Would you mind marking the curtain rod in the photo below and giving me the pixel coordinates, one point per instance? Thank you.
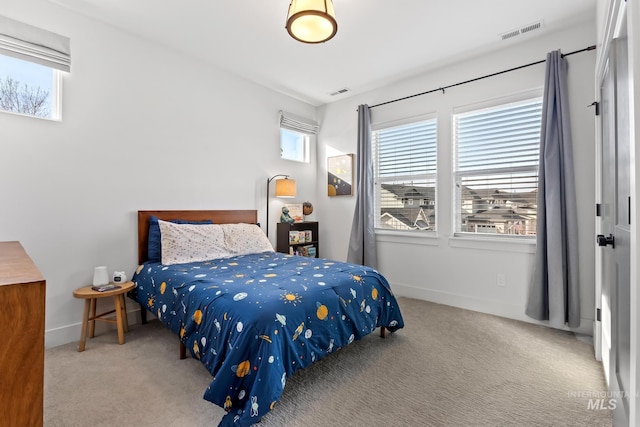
(593, 47)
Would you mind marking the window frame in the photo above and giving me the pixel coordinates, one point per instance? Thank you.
(305, 142)
(55, 93)
(300, 126)
(32, 44)
(534, 95)
(428, 177)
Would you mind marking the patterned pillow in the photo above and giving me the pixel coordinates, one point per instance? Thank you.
(154, 248)
(184, 243)
(244, 239)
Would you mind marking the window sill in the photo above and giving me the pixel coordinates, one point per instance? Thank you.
(501, 244)
(527, 246)
(428, 238)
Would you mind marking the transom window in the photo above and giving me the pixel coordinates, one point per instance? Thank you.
(294, 145)
(28, 88)
(31, 62)
(405, 175)
(496, 152)
(295, 136)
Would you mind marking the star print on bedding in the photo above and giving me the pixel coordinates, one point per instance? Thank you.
(253, 320)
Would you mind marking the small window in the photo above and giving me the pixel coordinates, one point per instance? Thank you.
(28, 88)
(295, 136)
(405, 176)
(294, 145)
(496, 168)
(31, 60)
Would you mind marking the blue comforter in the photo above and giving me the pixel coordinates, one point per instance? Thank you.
(254, 320)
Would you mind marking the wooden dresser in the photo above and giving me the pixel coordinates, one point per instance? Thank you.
(22, 304)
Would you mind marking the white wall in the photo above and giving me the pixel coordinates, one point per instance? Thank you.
(146, 128)
(142, 128)
(451, 270)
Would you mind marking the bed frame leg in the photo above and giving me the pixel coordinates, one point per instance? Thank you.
(143, 314)
(383, 332)
(183, 351)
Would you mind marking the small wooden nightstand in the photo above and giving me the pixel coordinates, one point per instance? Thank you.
(90, 297)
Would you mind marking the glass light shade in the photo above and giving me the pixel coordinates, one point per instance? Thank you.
(285, 187)
(312, 21)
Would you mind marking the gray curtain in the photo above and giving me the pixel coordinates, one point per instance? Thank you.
(554, 292)
(362, 242)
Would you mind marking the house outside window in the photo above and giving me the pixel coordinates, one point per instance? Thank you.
(405, 175)
(496, 152)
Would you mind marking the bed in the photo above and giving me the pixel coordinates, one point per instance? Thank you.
(250, 315)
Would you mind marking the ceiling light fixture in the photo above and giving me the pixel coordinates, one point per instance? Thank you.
(312, 21)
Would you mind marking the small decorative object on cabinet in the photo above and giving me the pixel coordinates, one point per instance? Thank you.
(22, 292)
(307, 208)
(298, 238)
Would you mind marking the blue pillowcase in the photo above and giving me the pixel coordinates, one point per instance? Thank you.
(154, 250)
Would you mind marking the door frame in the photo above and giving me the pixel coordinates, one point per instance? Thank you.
(612, 23)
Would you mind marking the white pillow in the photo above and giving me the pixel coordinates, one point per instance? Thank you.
(244, 239)
(184, 243)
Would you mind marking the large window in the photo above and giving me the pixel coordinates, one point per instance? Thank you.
(405, 175)
(496, 153)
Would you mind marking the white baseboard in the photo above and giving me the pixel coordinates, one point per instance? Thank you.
(70, 333)
(497, 308)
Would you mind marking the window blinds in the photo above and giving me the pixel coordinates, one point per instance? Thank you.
(298, 124)
(499, 138)
(406, 150)
(496, 168)
(33, 44)
(405, 175)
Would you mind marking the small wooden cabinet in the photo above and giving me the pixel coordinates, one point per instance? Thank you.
(22, 293)
(289, 238)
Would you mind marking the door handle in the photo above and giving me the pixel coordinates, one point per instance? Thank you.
(606, 240)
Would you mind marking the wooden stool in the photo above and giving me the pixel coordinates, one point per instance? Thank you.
(90, 296)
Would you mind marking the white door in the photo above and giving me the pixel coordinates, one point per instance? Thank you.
(615, 238)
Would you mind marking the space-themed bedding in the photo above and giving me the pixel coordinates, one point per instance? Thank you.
(253, 320)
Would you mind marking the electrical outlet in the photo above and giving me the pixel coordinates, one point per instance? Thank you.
(500, 280)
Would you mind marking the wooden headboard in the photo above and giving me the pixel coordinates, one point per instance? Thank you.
(217, 217)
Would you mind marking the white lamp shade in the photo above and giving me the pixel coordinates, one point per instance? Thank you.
(100, 276)
(312, 21)
(285, 187)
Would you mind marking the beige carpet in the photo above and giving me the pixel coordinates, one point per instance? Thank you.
(447, 367)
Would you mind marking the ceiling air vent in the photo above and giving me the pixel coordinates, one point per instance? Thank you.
(339, 91)
(522, 30)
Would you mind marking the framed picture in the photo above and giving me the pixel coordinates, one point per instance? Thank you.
(295, 211)
(340, 175)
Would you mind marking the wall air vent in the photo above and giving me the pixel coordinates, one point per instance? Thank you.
(340, 91)
(510, 34)
(522, 30)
